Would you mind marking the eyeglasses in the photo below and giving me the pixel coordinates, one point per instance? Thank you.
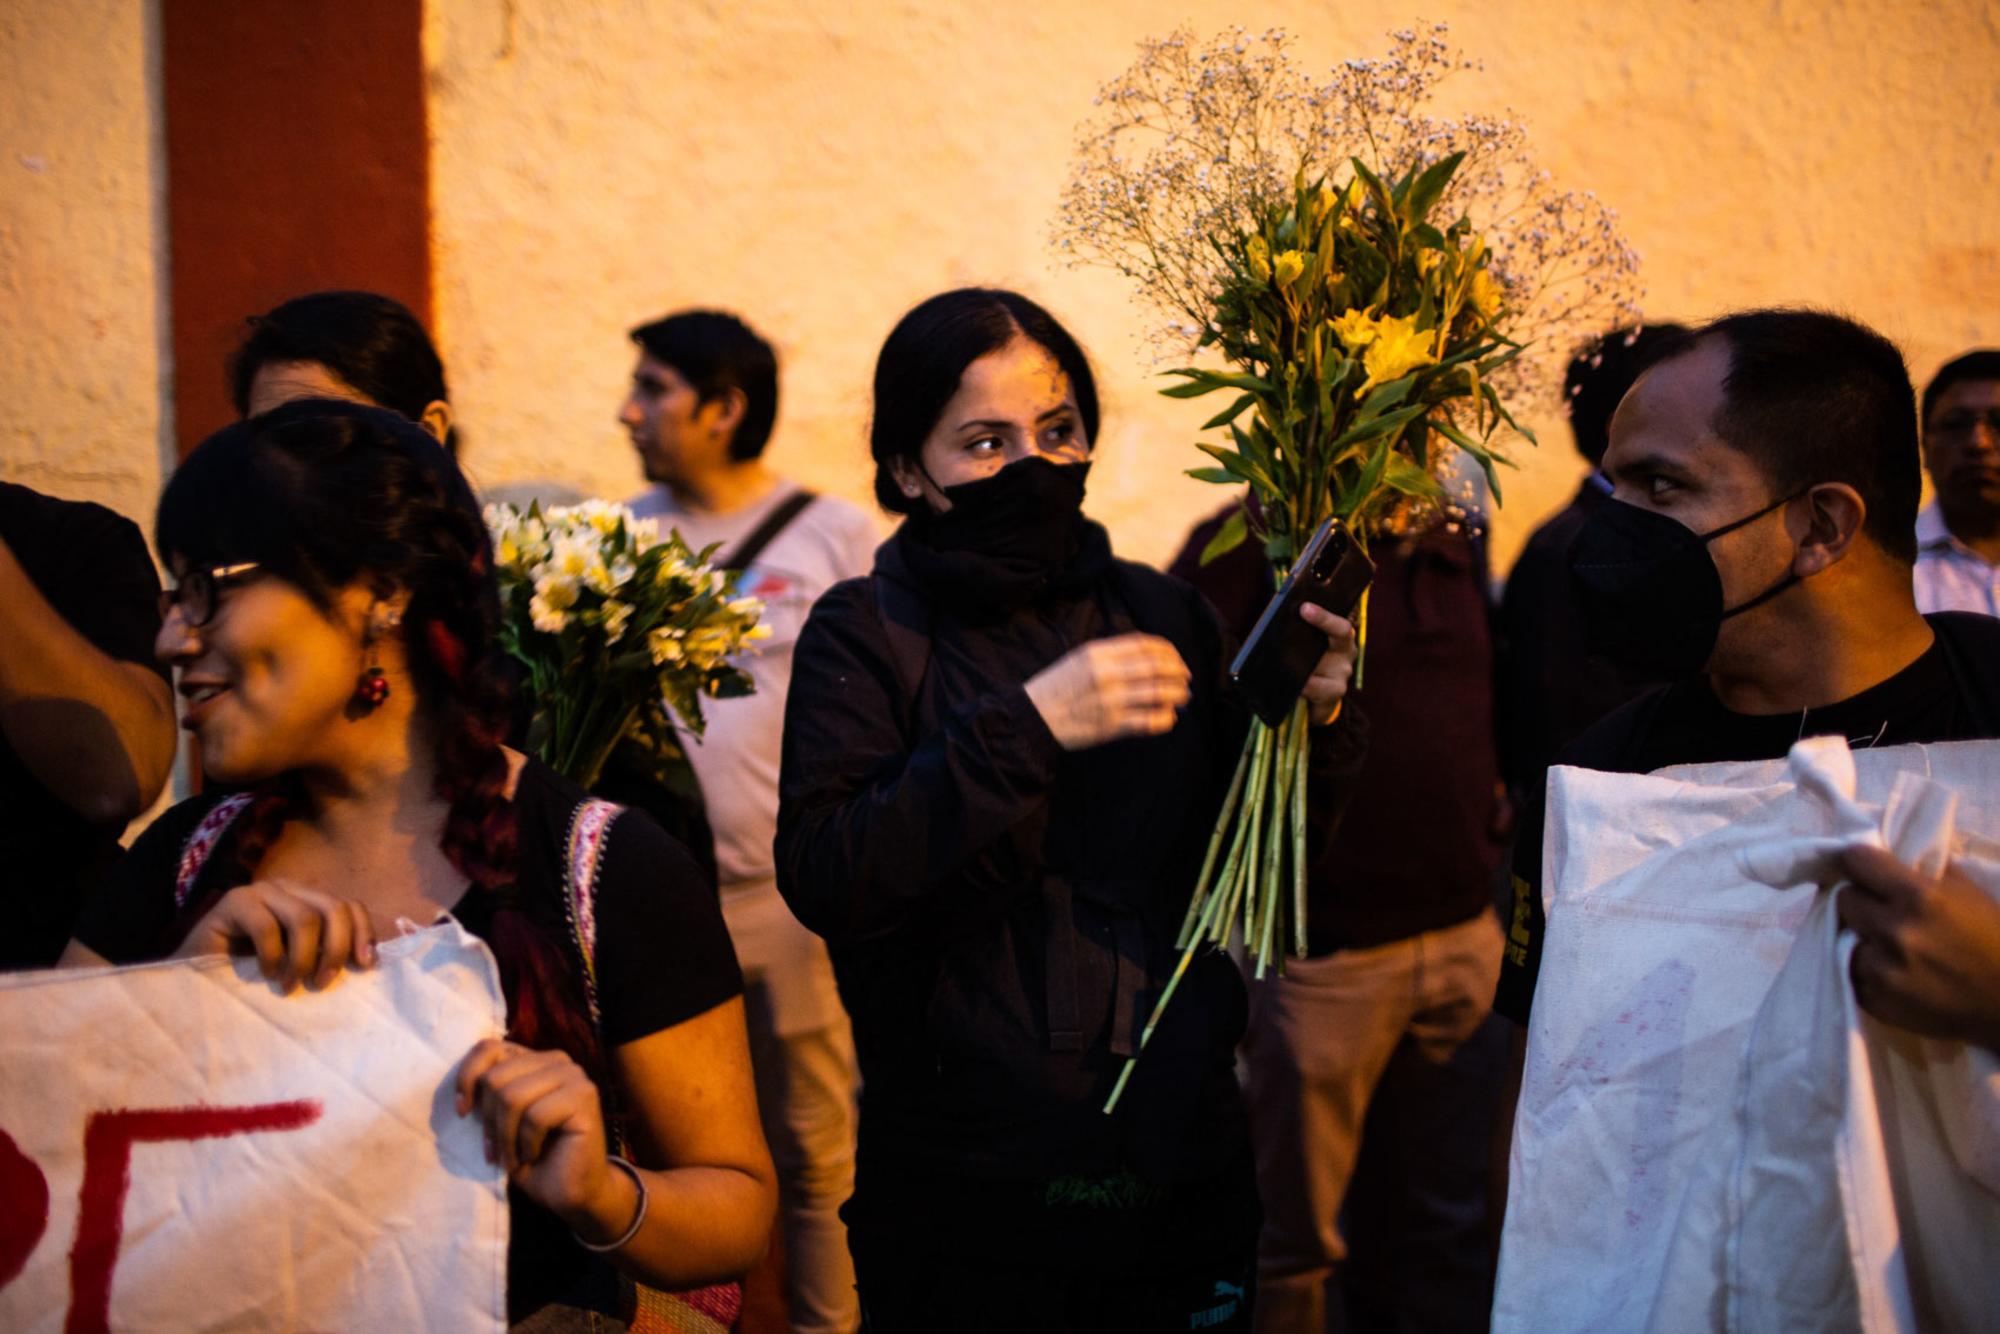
(198, 589)
(1960, 425)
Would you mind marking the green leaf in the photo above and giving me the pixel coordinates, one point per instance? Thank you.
(1370, 478)
(1238, 380)
(1427, 237)
(1385, 397)
(1192, 389)
(1429, 186)
(1477, 450)
(1234, 529)
(1506, 416)
(1406, 478)
(1230, 413)
(1383, 200)
(1221, 476)
(1244, 468)
(1381, 425)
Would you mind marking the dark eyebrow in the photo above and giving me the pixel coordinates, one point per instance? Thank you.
(987, 424)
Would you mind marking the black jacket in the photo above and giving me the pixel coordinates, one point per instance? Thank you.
(1002, 913)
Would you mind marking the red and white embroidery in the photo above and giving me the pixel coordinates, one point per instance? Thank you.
(194, 854)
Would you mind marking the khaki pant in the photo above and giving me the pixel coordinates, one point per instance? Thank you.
(1396, 1022)
(802, 1055)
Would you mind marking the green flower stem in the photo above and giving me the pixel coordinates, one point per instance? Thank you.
(1194, 945)
(1215, 843)
(1300, 765)
(1269, 893)
(599, 748)
(1231, 878)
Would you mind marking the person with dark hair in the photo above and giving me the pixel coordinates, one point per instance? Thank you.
(332, 629)
(1958, 533)
(86, 718)
(1756, 550)
(702, 404)
(1549, 686)
(1004, 753)
(355, 346)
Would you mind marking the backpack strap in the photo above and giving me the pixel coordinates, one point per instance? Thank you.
(589, 827)
(195, 852)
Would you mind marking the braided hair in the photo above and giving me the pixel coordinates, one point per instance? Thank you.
(325, 494)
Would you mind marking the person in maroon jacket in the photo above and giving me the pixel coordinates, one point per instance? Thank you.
(1385, 1021)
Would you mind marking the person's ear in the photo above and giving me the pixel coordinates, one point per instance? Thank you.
(437, 419)
(725, 412)
(909, 481)
(1831, 518)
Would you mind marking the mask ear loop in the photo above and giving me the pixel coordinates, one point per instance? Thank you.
(1775, 589)
(1734, 524)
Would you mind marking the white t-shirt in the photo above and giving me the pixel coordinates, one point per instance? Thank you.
(737, 760)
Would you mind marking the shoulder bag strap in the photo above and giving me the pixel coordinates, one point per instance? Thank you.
(751, 547)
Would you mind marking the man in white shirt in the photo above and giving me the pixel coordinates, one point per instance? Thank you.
(1958, 533)
(703, 399)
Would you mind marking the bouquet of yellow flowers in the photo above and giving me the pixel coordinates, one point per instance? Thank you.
(609, 620)
(1377, 285)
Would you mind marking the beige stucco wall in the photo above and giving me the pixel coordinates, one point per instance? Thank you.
(82, 378)
(820, 167)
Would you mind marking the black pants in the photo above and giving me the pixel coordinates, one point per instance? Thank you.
(910, 1284)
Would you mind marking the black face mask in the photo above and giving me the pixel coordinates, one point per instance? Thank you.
(1649, 591)
(1023, 518)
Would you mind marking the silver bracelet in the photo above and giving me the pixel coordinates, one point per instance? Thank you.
(638, 1218)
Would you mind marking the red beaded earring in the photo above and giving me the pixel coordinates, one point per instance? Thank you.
(373, 687)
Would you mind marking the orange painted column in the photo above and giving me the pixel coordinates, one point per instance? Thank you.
(298, 159)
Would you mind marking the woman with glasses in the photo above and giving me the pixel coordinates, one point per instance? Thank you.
(331, 631)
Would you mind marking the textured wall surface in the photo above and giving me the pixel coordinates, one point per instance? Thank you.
(820, 167)
(81, 314)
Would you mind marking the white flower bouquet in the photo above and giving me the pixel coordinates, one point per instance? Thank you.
(609, 619)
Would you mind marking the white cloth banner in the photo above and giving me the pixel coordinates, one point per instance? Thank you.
(182, 1147)
(1710, 1135)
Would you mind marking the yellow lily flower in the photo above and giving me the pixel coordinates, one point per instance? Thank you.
(1288, 266)
(1258, 256)
(1485, 294)
(1356, 329)
(1396, 350)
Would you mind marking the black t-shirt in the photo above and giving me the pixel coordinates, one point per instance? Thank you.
(663, 956)
(1950, 693)
(92, 567)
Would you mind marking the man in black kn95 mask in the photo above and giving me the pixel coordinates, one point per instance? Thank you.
(1757, 552)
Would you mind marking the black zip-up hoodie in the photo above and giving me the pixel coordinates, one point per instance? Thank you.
(1001, 913)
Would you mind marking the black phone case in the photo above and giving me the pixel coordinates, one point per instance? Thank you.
(1277, 659)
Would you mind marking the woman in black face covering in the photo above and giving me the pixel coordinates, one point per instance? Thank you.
(1004, 752)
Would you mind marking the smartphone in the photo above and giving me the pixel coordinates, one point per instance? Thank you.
(1277, 659)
